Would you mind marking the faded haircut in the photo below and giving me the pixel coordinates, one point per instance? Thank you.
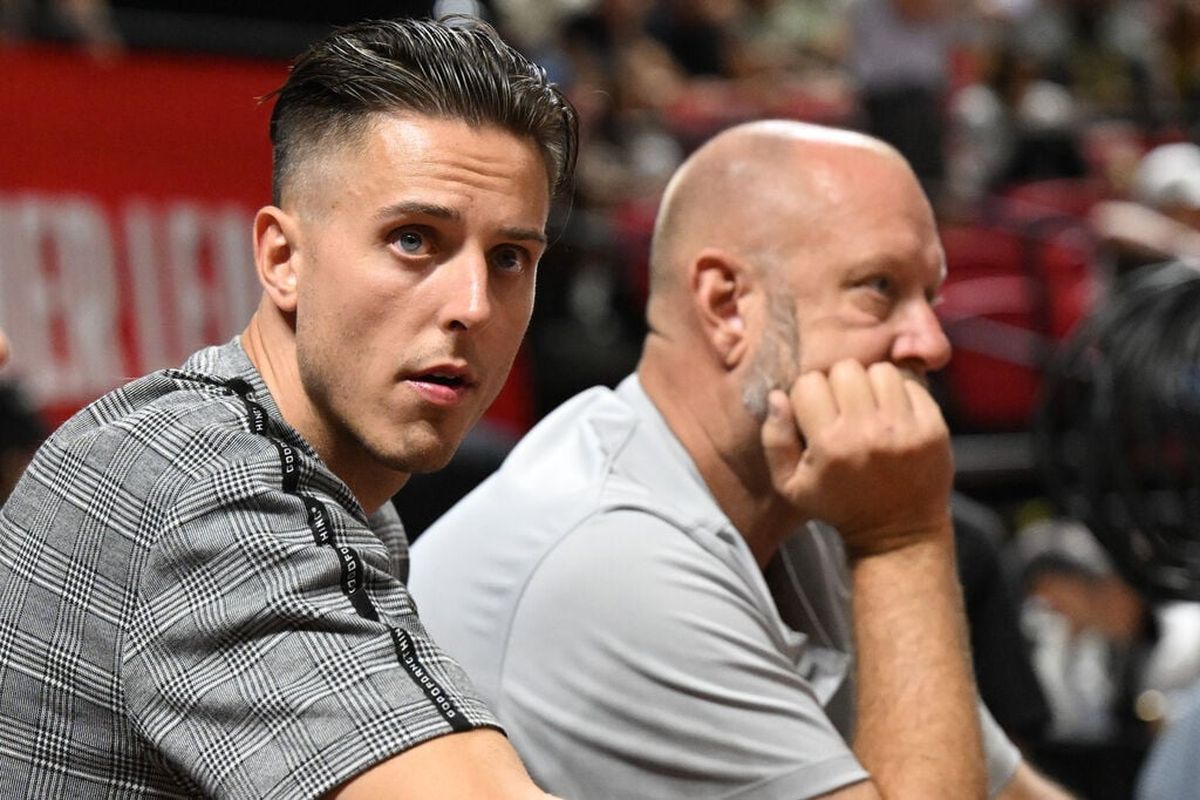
(458, 68)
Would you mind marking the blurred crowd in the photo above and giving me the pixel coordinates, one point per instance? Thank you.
(1030, 117)
(1056, 140)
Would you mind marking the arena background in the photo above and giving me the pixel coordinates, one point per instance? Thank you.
(135, 153)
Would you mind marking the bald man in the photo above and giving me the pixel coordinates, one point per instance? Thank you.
(655, 611)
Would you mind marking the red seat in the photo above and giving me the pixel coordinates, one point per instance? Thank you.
(1072, 197)
(1013, 291)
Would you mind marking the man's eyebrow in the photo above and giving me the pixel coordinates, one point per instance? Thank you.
(412, 208)
(418, 209)
(524, 235)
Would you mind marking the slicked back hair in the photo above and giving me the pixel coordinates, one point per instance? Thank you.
(454, 69)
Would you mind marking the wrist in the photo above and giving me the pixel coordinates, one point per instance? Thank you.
(934, 537)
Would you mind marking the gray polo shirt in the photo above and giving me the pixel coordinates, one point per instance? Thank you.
(622, 631)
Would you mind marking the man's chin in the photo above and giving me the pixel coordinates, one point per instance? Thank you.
(429, 457)
(430, 463)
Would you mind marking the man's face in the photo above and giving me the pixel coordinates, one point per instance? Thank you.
(863, 286)
(417, 254)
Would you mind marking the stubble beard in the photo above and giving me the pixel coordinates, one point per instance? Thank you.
(777, 361)
(418, 446)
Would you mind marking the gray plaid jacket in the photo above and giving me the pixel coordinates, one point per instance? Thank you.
(192, 604)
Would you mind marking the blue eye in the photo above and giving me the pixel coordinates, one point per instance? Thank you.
(410, 241)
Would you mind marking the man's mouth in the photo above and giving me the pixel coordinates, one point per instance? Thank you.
(442, 379)
(442, 387)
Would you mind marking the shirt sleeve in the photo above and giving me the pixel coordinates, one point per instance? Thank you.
(1002, 756)
(638, 665)
(272, 651)
(1171, 769)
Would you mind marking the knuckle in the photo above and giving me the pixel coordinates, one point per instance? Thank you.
(808, 380)
(845, 368)
(882, 369)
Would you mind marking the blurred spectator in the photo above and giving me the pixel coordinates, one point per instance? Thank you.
(1103, 51)
(1161, 220)
(1117, 436)
(1085, 624)
(999, 651)
(1009, 127)
(696, 34)
(1181, 59)
(899, 53)
(587, 321)
(782, 36)
(1111, 659)
(1168, 180)
(534, 25)
(1046, 138)
(1092, 637)
(88, 22)
(21, 432)
(786, 58)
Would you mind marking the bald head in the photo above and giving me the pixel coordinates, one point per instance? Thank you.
(783, 248)
(752, 190)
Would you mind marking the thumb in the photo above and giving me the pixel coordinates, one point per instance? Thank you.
(781, 441)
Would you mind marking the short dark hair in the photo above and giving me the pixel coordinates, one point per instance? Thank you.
(457, 68)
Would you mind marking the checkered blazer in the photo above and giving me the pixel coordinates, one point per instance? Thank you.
(192, 604)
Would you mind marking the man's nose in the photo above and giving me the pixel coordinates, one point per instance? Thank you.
(921, 342)
(467, 301)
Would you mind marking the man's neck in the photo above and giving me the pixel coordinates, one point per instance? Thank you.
(730, 461)
(760, 515)
(274, 356)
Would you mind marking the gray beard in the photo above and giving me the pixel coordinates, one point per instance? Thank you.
(777, 361)
(754, 395)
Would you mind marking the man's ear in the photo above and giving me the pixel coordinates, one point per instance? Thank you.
(275, 256)
(719, 285)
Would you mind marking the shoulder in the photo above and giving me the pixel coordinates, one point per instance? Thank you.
(600, 452)
(166, 446)
(157, 426)
(555, 477)
(575, 443)
(158, 412)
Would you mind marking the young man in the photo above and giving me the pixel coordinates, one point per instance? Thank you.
(201, 579)
(658, 611)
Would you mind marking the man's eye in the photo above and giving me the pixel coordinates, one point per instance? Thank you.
(880, 283)
(410, 241)
(510, 259)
